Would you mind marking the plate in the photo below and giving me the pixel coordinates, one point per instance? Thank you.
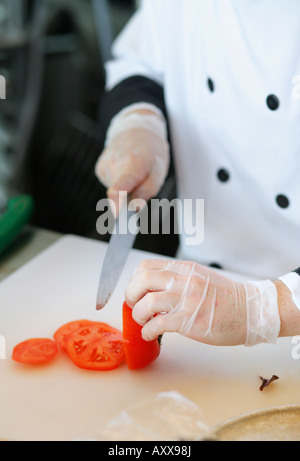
(278, 424)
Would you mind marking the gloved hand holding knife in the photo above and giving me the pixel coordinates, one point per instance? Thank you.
(136, 161)
(137, 156)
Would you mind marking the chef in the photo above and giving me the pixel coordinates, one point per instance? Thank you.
(214, 79)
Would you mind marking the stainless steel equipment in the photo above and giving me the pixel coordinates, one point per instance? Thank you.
(52, 54)
(37, 38)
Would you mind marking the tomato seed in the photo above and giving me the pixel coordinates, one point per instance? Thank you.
(116, 346)
(96, 357)
(84, 332)
(79, 346)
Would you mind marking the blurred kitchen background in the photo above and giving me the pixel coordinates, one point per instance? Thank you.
(52, 54)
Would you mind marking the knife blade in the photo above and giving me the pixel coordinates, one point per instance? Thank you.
(120, 244)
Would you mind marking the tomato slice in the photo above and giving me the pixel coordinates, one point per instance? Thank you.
(138, 353)
(97, 346)
(62, 335)
(35, 351)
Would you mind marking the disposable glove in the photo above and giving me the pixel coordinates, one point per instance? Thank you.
(137, 155)
(201, 304)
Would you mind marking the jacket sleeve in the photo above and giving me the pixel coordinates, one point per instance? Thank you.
(292, 281)
(139, 48)
(136, 72)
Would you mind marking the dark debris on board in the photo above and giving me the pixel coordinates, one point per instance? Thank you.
(267, 382)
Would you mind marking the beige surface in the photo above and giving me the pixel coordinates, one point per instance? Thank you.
(280, 424)
(61, 402)
(29, 244)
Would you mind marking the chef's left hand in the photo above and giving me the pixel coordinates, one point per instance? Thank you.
(202, 304)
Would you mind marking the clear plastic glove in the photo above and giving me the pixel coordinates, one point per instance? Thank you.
(136, 157)
(202, 304)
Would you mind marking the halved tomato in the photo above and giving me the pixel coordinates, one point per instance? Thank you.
(97, 346)
(62, 335)
(35, 351)
(138, 353)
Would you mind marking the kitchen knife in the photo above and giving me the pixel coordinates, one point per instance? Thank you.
(18, 212)
(120, 244)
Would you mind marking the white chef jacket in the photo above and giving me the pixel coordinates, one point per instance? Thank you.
(229, 70)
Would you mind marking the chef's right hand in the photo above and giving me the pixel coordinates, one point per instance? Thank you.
(136, 157)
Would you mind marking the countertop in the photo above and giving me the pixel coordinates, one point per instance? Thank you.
(29, 244)
(67, 403)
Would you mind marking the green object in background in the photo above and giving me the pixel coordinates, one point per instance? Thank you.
(17, 214)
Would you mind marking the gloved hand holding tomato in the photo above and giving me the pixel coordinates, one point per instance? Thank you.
(202, 304)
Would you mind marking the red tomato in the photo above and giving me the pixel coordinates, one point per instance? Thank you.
(97, 346)
(138, 353)
(35, 351)
(62, 335)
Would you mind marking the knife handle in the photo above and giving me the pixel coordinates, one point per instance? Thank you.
(18, 212)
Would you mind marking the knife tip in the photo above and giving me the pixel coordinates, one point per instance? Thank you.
(101, 304)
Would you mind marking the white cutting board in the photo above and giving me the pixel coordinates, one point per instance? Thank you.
(61, 402)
